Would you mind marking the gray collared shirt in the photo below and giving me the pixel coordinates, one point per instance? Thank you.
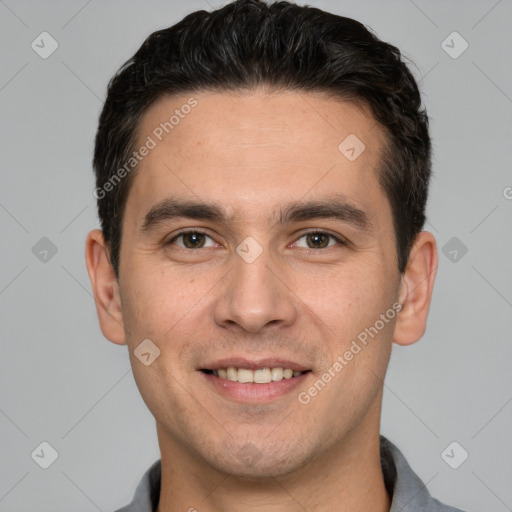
(408, 492)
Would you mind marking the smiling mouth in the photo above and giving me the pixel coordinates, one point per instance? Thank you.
(260, 376)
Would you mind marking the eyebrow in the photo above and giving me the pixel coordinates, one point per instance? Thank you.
(334, 207)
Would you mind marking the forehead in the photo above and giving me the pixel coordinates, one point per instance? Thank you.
(255, 149)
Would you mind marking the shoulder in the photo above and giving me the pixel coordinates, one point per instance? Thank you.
(147, 493)
(408, 492)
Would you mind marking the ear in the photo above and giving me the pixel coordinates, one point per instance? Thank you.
(416, 290)
(105, 287)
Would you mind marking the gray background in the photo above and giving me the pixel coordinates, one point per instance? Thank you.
(62, 382)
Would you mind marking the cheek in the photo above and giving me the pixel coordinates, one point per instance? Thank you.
(347, 300)
(164, 309)
(160, 302)
(358, 341)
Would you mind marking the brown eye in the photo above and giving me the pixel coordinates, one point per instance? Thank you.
(319, 240)
(191, 240)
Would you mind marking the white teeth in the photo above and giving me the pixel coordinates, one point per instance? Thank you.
(260, 376)
(245, 375)
(263, 376)
(277, 374)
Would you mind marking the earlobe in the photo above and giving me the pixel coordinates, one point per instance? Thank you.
(105, 288)
(416, 290)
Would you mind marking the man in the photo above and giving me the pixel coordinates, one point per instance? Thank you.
(262, 175)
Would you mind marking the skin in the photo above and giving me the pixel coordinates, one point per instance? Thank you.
(251, 153)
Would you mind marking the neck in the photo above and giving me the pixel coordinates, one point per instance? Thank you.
(347, 477)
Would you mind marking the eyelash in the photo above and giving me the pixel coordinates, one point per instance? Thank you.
(309, 250)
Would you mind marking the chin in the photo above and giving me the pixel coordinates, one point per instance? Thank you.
(256, 465)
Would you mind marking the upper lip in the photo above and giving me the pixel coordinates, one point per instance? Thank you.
(254, 364)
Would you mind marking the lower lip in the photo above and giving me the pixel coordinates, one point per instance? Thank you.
(250, 392)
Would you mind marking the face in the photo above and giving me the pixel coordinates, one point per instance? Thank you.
(288, 257)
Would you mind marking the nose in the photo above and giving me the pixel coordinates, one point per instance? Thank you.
(254, 296)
